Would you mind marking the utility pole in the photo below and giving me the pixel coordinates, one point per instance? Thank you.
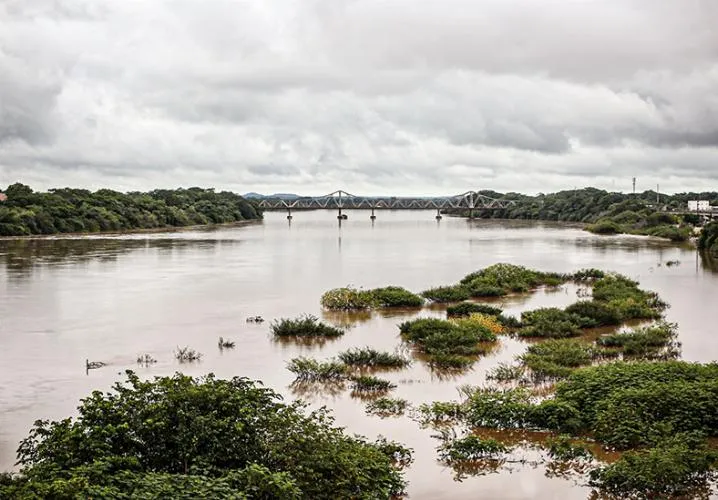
(634, 185)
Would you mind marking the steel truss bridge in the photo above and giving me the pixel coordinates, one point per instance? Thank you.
(338, 200)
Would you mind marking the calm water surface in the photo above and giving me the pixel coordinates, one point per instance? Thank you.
(110, 299)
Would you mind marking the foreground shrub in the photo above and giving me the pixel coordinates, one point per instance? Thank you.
(444, 294)
(680, 466)
(311, 370)
(370, 358)
(589, 388)
(177, 437)
(469, 308)
(346, 299)
(304, 326)
(394, 296)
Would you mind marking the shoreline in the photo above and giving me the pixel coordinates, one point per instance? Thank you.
(154, 230)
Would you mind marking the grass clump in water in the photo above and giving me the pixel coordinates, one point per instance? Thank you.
(311, 370)
(387, 407)
(471, 448)
(304, 326)
(444, 294)
(599, 313)
(505, 372)
(187, 355)
(347, 299)
(394, 296)
(556, 358)
(223, 343)
(551, 322)
(146, 359)
(449, 344)
(371, 358)
(626, 299)
(486, 326)
(502, 279)
(651, 342)
(469, 308)
(369, 384)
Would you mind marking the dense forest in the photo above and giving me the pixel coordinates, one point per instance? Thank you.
(606, 212)
(67, 210)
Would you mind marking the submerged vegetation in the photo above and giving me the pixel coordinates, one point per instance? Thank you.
(200, 438)
(308, 369)
(371, 358)
(187, 355)
(387, 407)
(369, 384)
(304, 326)
(81, 211)
(657, 411)
(469, 308)
(494, 281)
(449, 344)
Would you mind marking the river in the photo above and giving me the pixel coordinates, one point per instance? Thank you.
(111, 298)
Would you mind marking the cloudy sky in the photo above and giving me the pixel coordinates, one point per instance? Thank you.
(372, 96)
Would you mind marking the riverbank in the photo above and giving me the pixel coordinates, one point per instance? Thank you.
(156, 230)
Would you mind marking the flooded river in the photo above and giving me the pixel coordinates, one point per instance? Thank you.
(112, 298)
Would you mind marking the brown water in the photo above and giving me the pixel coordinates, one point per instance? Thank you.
(110, 299)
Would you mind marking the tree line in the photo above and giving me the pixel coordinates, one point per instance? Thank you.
(606, 212)
(66, 210)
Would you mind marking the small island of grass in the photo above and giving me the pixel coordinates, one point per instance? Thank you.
(349, 298)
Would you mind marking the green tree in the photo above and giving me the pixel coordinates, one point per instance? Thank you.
(173, 437)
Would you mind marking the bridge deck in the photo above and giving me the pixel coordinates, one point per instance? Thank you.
(342, 200)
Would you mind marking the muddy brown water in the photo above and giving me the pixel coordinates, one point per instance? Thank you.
(112, 298)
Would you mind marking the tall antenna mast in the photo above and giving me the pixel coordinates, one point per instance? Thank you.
(634, 185)
(658, 193)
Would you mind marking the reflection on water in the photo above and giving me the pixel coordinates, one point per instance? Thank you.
(111, 299)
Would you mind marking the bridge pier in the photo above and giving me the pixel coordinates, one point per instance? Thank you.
(438, 214)
(289, 213)
(341, 216)
(372, 217)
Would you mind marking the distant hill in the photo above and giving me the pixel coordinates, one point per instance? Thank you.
(285, 196)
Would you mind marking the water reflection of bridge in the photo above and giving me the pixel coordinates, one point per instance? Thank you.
(339, 200)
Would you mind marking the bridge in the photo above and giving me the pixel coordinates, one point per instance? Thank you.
(339, 200)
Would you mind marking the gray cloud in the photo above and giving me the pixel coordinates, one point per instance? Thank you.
(372, 96)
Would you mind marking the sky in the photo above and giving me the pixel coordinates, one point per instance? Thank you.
(402, 97)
